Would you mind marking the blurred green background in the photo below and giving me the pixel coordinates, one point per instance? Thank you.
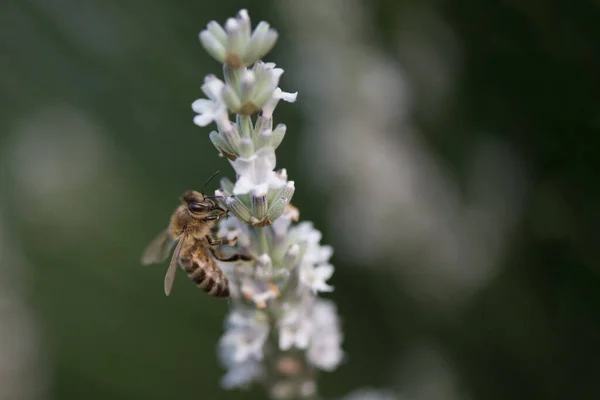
(97, 142)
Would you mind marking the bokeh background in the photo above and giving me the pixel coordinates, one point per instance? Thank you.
(447, 149)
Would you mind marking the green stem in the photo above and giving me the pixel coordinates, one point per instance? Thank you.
(263, 242)
(244, 124)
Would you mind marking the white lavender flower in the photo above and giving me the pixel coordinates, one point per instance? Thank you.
(325, 351)
(314, 269)
(277, 95)
(251, 90)
(295, 327)
(315, 276)
(236, 45)
(260, 194)
(256, 173)
(241, 375)
(283, 224)
(213, 108)
(245, 337)
(243, 138)
(277, 324)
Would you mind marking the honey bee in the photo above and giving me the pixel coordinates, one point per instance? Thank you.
(190, 228)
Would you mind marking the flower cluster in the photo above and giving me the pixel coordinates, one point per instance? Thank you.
(260, 194)
(278, 332)
(277, 295)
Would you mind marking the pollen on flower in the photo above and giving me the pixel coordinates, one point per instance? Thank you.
(259, 292)
(274, 289)
(249, 295)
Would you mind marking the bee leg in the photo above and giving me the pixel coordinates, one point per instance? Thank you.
(216, 217)
(220, 242)
(235, 257)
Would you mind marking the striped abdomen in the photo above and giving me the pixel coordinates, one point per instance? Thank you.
(202, 269)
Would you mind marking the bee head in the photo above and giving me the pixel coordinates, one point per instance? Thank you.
(197, 204)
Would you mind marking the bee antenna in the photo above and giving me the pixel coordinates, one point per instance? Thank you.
(208, 181)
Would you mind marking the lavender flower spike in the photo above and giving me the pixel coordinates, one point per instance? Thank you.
(279, 333)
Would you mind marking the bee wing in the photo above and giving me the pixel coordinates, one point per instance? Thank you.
(170, 276)
(158, 250)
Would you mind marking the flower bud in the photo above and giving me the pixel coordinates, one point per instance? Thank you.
(226, 186)
(246, 148)
(221, 198)
(237, 208)
(213, 45)
(288, 191)
(277, 208)
(218, 32)
(235, 42)
(277, 135)
(231, 134)
(247, 86)
(281, 192)
(220, 143)
(261, 42)
(264, 267)
(267, 79)
(259, 206)
(236, 45)
(264, 139)
(262, 124)
(292, 256)
(231, 99)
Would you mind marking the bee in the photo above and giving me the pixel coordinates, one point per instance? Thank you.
(190, 229)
